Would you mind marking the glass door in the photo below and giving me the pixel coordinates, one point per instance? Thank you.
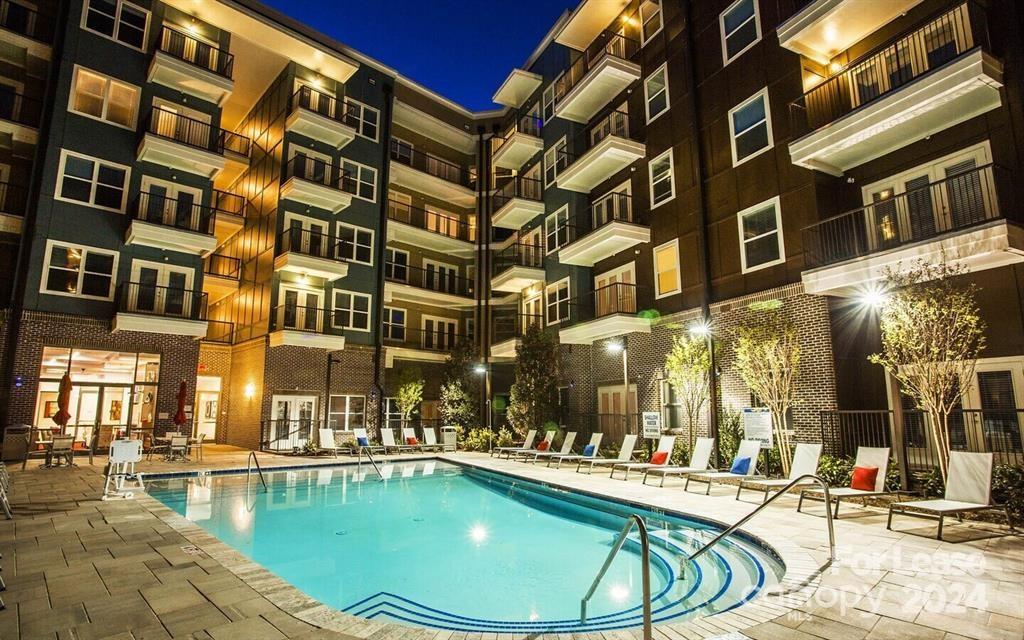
(302, 310)
(292, 421)
(161, 289)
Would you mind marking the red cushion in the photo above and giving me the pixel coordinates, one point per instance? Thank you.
(543, 446)
(659, 457)
(864, 478)
(411, 440)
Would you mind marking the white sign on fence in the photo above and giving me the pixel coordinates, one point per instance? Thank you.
(757, 425)
(652, 424)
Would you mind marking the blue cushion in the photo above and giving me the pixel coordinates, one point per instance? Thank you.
(588, 450)
(740, 466)
(363, 442)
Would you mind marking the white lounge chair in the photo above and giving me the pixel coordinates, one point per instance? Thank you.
(747, 449)
(525, 454)
(369, 447)
(410, 432)
(594, 445)
(566, 449)
(327, 442)
(665, 444)
(968, 488)
(805, 462)
(700, 460)
(430, 440)
(877, 457)
(387, 438)
(531, 435)
(625, 455)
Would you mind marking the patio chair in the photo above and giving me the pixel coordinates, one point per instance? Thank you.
(5, 488)
(197, 445)
(327, 442)
(589, 451)
(526, 453)
(410, 433)
(805, 462)
(363, 442)
(430, 440)
(566, 449)
(178, 447)
(161, 448)
(870, 457)
(123, 456)
(658, 458)
(748, 449)
(700, 460)
(968, 489)
(531, 435)
(387, 438)
(625, 455)
(61, 448)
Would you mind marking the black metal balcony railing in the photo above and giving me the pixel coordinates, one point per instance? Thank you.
(517, 255)
(517, 187)
(167, 124)
(529, 125)
(13, 199)
(219, 331)
(614, 207)
(309, 243)
(607, 43)
(430, 164)
(28, 22)
(506, 326)
(443, 337)
(179, 213)
(919, 51)
(615, 123)
(194, 51)
(289, 435)
(958, 202)
(222, 266)
(322, 103)
(228, 204)
(308, 319)
(19, 108)
(442, 280)
(611, 299)
(320, 172)
(157, 300)
(440, 223)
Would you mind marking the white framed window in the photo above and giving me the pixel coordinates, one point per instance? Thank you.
(355, 244)
(396, 264)
(79, 271)
(650, 20)
(118, 20)
(656, 93)
(363, 118)
(394, 324)
(347, 412)
(740, 26)
(760, 229)
(663, 179)
(556, 300)
(92, 182)
(100, 97)
(555, 160)
(667, 279)
(556, 231)
(364, 179)
(547, 100)
(750, 127)
(351, 310)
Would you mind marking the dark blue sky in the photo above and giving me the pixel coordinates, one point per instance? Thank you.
(463, 49)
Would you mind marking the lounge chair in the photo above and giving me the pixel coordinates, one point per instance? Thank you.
(625, 455)
(430, 440)
(327, 442)
(369, 447)
(665, 445)
(877, 457)
(566, 449)
(197, 445)
(968, 488)
(747, 449)
(549, 437)
(805, 462)
(410, 432)
(387, 438)
(531, 435)
(593, 446)
(699, 461)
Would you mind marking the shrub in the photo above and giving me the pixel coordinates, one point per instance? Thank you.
(680, 452)
(837, 472)
(504, 438)
(930, 482)
(1008, 489)
(730, 432)
(610, 450)
(477, 440)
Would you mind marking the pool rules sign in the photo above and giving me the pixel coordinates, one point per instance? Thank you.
(652, 425)
(757, 425)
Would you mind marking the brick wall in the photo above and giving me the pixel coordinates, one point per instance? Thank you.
(215, 360)
(248, 361)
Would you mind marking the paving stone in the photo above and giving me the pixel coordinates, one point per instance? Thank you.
(245, 630)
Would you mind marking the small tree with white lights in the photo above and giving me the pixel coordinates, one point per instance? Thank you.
(688, 368)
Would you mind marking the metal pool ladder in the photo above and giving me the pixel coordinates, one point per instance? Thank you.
(645, 560)
(248, 470)
(369, 456)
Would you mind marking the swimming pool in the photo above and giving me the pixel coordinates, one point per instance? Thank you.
(450, 547)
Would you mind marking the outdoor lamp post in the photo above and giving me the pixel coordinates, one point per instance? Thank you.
(702, 329)
(484, 370)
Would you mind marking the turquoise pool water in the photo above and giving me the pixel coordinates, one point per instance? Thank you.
(451, 547)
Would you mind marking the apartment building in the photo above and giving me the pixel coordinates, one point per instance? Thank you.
(229, 199)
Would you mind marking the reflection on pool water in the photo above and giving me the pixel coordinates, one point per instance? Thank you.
(442, 546)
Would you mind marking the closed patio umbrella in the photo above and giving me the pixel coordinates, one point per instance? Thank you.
(62, 416)
(179, 417)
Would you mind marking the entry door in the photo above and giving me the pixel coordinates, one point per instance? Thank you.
(441, 276)
(533, 248)
(308, 236)
(614, 299)
(86, 411)
(533, 312)
(311, 165)
(303, 310)
(115, 403)
(162, 290)
(612, 409)
(172, 204)
(293, 418)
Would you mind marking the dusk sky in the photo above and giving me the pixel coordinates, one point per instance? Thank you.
(463, 49)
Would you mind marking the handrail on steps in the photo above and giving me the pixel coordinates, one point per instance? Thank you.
(248, 469)
(645, 559)
(369, 456)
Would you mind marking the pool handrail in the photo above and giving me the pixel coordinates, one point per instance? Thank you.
(248, 469)
(645, 560)
(369, 456)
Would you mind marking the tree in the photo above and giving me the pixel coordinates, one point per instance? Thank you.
(533, 402)
(460, 388)
(688, 368)
(768, 360)
(410, 392)
(932, 334)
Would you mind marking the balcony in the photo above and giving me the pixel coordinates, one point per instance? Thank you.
(961, 218)
(310, 253)
(822, 29)
(602, 72)
(229, 214)
(436, 286)
(430, 229)
(319, 116)
(27, 28)
(185, 63)
(507, 328)
(939, 74)
(300, 326)
(608, 150)
(220, 332)
(179, 142)
(608, 227)
(520, 142)
(171, 224)
(606, 312)
(431, 175)
(421, 345)
(517, 267)
(316, 183)
(20, 116)
(151, 308)
(516, 202)
(221, 276)
(13, 202)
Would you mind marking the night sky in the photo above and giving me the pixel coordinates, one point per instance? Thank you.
(462, 49)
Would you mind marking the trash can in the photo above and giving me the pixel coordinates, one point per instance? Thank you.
(449, 438)
(15, 447)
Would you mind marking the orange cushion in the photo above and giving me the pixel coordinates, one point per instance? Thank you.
(411, 440)
(543, 446)
(864, 478)
(659, 457)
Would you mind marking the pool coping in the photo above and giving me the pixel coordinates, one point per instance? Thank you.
(799, 582)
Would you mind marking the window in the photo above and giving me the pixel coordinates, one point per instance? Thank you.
(672, 413)
(656, 93)
(663, 180)
(97, 96)
(548, 102)
(363, 179)
(556, 231)
(351, 310)
(741, 28)
(117, 20)
(393, 417)
(93, 182)
(355, 243)
(363, 118)
(556, 298)
(650, 20)
(555, 160)
(666, 269)
(394, 324)
(750, 127)
(396, 265)
(761, 236)
(76, 270)
(347, 412)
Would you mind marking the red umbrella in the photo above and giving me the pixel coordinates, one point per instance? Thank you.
(180, 418)
(63, 402)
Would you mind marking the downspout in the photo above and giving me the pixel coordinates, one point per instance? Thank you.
(380, 249)
(483, 271)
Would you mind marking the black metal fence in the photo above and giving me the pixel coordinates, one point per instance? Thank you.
(13, 199)
(442, 337)
(157, 300)
(516, 187)
(529, 125)
(219, 331)
(191, 132)
(614, 207)
(430, 164)
(512, 324)
(444, 224)
(611, 299)
(441, 279)
(196, 52)
(180, 213)
(320, 172)
(309, 242)
(518, 255)
(222, 266)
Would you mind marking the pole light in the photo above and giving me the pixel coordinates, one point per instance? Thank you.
(620, 347)
(482, 369)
